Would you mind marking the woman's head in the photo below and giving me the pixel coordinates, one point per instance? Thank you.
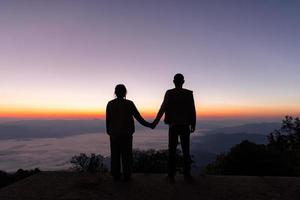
(120, 91)
(178, 80)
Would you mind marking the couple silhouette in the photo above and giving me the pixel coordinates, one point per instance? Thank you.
(180, 115)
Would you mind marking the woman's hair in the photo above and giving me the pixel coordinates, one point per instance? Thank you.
(120, 91)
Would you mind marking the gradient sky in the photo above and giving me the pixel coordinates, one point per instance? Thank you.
(64, 58)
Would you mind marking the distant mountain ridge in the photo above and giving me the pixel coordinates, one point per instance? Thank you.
(49, 128)
(220, 142)
(264, 128)
(22, 129)
(205, 148)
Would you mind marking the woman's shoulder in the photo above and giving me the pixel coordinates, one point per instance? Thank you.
(126, 101)
(111, 102)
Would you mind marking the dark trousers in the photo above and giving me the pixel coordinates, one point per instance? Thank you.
(121, 153)
(182, 131)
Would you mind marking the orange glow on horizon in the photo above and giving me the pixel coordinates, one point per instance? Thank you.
(202, 112)
(50, 113)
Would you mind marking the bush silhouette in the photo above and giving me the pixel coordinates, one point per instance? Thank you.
(154, 161)
(93, 163)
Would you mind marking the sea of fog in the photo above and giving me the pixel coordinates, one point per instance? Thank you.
(55, 153)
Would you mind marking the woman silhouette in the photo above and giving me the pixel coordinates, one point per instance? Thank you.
(120, 128)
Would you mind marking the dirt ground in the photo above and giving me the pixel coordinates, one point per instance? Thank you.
(78, 186)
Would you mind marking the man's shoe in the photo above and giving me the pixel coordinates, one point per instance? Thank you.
(117, 178)
(189, 179)
(127, 178)
(170, 179)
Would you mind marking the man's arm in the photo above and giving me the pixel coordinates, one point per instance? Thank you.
(161, 111)
(193, 114)
(138, 117)
(107, 119)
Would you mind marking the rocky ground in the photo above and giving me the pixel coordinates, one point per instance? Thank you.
(78, 186)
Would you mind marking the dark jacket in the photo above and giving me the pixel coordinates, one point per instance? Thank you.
(119, 117)
(179, 107)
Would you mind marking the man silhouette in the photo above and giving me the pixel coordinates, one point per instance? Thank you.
(180, 114)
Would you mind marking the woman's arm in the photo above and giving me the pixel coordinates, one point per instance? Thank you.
(138, 117)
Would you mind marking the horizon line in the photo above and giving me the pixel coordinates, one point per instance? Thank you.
(203, 112)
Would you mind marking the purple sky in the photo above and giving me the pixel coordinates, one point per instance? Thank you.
(70, 54)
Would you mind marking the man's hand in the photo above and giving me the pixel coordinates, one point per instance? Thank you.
(153, 125)
(150, 125)
(192, 129)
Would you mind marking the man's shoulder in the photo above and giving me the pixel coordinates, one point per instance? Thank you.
(183, 90)
(170, 90)
(187, 91)
(128, 101)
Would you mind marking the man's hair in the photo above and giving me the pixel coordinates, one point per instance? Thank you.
(120, 91)
(178, 79)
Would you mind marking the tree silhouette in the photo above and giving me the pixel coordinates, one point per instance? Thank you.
(280, 157)
(286, 142)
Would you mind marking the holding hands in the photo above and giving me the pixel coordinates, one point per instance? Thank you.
(154, 123)
(151, 125)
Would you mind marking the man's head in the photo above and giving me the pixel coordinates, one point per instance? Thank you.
(178, 80)
(120, 91)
